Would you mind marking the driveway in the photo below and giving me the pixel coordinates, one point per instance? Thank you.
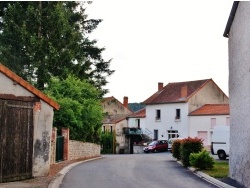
(156, 170)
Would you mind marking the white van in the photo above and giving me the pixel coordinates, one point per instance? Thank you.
(220, 141)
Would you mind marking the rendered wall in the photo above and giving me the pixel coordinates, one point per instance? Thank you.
(239, 92)
(203, 123)
(167, 121)
(209, 94)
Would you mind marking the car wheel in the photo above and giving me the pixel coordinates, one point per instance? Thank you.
(222, 155)
(155, 150)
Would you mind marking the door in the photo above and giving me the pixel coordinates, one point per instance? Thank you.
(16, 140)
(204, 136)
(155, 134)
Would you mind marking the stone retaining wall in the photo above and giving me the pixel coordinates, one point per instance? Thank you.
(79, 150)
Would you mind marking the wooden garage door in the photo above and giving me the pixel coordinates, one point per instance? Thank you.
(16, 140)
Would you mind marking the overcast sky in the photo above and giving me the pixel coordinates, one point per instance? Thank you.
(161, 41)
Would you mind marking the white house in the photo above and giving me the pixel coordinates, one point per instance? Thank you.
(203, 120)
(167, 110)
(238, 32)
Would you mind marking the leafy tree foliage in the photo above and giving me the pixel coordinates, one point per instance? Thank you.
(42, 39)
(80, 108)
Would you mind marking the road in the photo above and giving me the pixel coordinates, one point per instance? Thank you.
(155, 170)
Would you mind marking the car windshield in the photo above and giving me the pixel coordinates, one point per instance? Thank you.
(152, 143)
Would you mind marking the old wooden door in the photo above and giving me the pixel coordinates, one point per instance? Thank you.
(16, 140)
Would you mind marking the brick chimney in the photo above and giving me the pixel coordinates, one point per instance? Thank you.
(183, 91)
(160, 86)
(125, 102)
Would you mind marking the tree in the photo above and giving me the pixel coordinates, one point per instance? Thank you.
(80, 108)
(44, 39)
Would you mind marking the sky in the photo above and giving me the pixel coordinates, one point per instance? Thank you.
(161, 41)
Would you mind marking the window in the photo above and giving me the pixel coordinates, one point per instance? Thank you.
(213, 122)
(178, 114)
(103, 128)
(228, 121)
(111, 129)
(158, 115)
(138, 123)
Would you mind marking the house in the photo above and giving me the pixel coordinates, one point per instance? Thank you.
(26, 116)
(167, 110)
(238, 33)
(115, 121)
(203, 120)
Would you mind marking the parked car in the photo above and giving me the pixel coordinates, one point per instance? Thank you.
(155, 146)
(170, 142)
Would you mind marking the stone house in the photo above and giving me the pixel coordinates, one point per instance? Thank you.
(115, 120)
(167, 110)
(238, 33)
(26, 116)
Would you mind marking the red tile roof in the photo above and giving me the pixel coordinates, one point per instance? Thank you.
(139, 114)
(7, 72)
(113, 119)
(171, 93)
(211, 109)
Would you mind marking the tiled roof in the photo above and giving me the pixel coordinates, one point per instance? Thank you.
(171, 93)
(139, 114)
(113, 119)
(212, 109)
(7, 72)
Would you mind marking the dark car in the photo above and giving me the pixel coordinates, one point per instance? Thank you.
(155, 146)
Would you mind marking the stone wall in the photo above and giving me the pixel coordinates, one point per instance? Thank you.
(79, 150)
(73, 149)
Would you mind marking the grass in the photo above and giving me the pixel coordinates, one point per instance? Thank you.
(220, 170)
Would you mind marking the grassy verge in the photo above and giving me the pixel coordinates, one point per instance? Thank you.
(220, 170)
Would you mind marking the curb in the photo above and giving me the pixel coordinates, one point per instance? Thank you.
(55, 183)
(208, 178)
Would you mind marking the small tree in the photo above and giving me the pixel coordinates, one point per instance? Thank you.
(201, 160)
(189, 145)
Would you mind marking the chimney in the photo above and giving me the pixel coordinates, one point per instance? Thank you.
(125, 102)
(160, 86)
(184, 91)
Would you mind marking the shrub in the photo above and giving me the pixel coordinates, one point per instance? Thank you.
(176, 149)
(201, 160)
(189, 145)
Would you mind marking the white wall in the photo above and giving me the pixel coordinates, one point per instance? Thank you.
(239, 92)
(203, 123)
(167, 122)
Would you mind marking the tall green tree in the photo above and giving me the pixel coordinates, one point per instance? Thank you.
(80, 108)
(41, 39)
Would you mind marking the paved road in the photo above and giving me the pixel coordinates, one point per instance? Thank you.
(156, 170)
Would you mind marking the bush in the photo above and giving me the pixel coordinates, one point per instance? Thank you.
(176, 149)
(201, 160)
(189, 145)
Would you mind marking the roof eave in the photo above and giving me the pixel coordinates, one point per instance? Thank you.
(230, 19)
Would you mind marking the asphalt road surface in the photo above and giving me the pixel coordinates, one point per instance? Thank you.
(154, 170)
